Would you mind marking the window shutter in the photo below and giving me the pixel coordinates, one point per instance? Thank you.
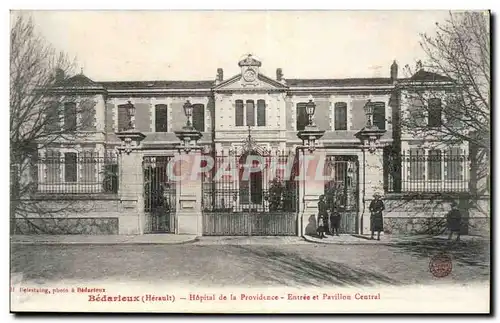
(434, 161)
(435, 112)
(87, 114)
(70, 116)
(261, 113)
(250, 113)
(301, 116)
(379, 115)
(416, 110)
(340, 116)
(199, 117)
(70, 167)
(417, 164)
(89, 163)
(122, 118)
(238, 113)
(161, 115)
(52, 117)
(454, 164)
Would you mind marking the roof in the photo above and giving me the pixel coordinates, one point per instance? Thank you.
(422, 75)
(80, 81)
(158, 85)
(338, 82)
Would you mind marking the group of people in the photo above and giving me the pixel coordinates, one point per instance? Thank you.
(376, 207)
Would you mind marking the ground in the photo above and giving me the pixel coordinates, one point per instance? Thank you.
(304, 264)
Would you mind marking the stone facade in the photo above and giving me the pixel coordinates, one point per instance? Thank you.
(274, 125)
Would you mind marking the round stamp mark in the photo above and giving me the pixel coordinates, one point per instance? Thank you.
(440, 265)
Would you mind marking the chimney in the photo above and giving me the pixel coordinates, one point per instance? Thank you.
(279, 74)
(220, 75)
(59, 75)
(394, 71)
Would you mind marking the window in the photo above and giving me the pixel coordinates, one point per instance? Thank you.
(247, 114)
(417, 164)
(379, 115)
(340, 116)
(454, 164)
(261, 113)
(301, 114)
(122, 117)
(88, 160)
(70, 116)
(239, 113)
(250, 113)
(53, 164)
(435, 111)
(52, 117)
(434, 164)
(199, 117)
(161, 118)
(70, 167)
(416, 111)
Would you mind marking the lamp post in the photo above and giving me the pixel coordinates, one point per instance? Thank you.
(368, 107)
(130, 113)
(311, 133)
(188, 111)
(310, 109)
(188, 135)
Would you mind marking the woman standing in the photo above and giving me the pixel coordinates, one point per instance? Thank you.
(376, 218)
(322, 217)
(454, 220)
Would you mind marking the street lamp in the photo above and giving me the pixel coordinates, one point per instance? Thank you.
(131, 113)
(188, 111)
(310, 108)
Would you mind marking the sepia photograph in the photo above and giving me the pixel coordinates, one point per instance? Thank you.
(328, 161)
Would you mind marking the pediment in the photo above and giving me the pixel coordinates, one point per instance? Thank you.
(261, 83)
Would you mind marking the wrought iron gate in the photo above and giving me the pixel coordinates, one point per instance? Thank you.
(159, 195)
(342, 190)
(259, 201)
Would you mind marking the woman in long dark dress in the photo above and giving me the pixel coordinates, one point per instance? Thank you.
(376, 218)
(454, 220)
(322, 217)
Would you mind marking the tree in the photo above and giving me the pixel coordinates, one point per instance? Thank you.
(36, 115)
(452, 87)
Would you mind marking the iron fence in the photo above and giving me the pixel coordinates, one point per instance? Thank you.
(73, 173)
(432, 171)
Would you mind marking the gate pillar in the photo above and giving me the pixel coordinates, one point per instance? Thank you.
(189, 216)
(130, 183)
(373, 179)
(312, 180)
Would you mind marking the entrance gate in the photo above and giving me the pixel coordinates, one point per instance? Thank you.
(252, 198)
(159, 195)
(342, 190)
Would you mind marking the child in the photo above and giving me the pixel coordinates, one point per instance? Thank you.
(321, 227)
(335, 221)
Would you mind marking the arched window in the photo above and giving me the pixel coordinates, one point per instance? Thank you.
(250, 113)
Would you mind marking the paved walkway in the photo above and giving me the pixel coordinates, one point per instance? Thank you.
(103, 239)
(343, 239)
(385, 239)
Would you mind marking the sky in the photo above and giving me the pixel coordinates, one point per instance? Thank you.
(191, 45)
